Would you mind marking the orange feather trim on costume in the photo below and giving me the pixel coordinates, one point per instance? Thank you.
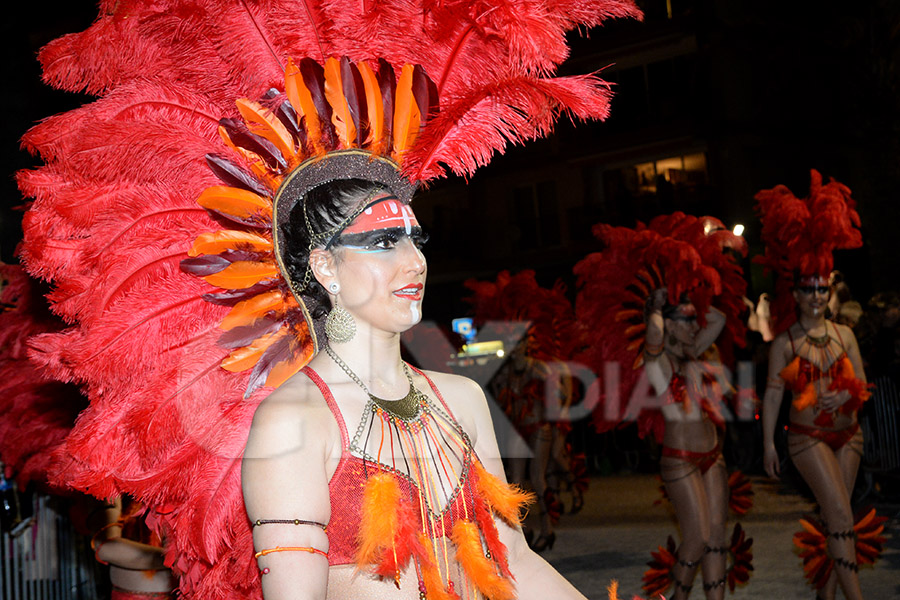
(381, 499)
(505, 500)
(239, 203)
(301, 100)
(247, 356)
(262, 122)
(242, 274)
(286, 368)
(334, 93)
(485, 520)
(482, 571)
(214, 242)
(375, 108)
(431, 575)
(406, 114)
(247, 312)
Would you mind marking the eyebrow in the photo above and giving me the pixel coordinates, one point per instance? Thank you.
(367, 238)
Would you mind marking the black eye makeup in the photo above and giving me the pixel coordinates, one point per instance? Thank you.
(810, 289)
(382, 239)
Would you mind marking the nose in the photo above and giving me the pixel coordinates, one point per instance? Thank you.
(413, 257)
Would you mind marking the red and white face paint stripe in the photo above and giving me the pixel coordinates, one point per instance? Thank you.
(389, 213)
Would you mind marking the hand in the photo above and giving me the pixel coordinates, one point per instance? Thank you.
(656, 301)
(832, 400)
(771, 462)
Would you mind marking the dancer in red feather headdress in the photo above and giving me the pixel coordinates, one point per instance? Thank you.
(819, 362)
(656, 298)
(246, 171)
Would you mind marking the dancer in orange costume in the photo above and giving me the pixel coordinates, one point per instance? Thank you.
(819, 363)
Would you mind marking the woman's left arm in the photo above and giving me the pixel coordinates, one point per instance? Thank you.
(715, 322)
(535, 578)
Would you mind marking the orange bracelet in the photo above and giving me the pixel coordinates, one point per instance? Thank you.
(287, 549)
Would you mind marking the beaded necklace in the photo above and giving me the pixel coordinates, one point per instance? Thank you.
(442, 521)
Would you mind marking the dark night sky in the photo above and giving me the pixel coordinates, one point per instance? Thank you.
(788, 86)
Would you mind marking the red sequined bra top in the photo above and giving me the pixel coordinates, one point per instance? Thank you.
(347, 485)
(801, 376)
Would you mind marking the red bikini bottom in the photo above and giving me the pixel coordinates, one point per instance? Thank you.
(835, 438)
(702, 460)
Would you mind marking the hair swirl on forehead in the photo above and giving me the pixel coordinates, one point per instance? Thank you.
(314, 220)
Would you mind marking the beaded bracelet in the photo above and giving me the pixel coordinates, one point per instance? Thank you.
(286, 522)
(268, 551)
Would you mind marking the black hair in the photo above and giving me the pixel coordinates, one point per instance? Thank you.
(325, 207)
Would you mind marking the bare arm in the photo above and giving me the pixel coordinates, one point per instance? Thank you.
(122, 552)
(283, 476)
(658, 371)
(715, 322)
(772, 404)
(535, 578)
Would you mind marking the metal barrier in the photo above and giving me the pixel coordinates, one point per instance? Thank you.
(44, 559)
(880, 420)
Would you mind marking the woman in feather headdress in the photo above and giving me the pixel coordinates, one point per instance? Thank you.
(819, 362)
(656, 298)
(246, 171)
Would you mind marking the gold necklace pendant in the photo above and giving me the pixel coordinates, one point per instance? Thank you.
(406, 408)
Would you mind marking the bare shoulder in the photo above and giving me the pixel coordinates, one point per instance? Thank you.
(781, 342)
(463, 396)
(846, 334)
(288, 415)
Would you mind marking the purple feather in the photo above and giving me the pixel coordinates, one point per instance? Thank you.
(245, 335)
(202, 266)
(232, 297)
(235, 175)
(388, 83)
(314, 78)
(274, 354)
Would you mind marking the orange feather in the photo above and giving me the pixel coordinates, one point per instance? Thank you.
(300, 98)
(334, 93)
(242, 274)
(381, 499)
(431, 575)
(806, 398)
(236, 202)
(246, 312)
(406, 114)
(262, 122)
(791, 371)
(214, 242)
(504, 499)
(244, 358)
(375, 107)
(481, 571)
(283, 370)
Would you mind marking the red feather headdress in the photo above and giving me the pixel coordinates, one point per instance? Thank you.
(552, 333)
(36, 414)
(222, 101)
(801, 235)
(682, 253)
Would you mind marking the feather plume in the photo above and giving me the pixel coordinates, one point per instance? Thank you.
(381, 499)
(506, 500)
(482, 571)
(115, 214)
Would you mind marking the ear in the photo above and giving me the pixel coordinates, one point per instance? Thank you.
(323, 265)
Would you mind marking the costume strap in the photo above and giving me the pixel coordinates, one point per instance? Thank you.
(332, 405)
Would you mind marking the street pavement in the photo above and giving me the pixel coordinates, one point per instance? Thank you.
(611, 538)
